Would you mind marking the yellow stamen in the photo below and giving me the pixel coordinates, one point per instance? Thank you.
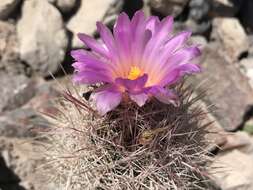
(134, 73)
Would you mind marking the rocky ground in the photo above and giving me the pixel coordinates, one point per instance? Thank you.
(37, 35)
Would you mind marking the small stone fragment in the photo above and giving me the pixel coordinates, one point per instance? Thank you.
(168, 7)
(231, 35)
(22, 122)
(42, 37)
(200, 40)
(233, 170)
(199, 9)
(237, 140)
(84, 21)
(228, 88)
(15, 91)
(247, 68)
(9, 55)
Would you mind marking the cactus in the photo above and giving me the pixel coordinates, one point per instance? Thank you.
(157, 146)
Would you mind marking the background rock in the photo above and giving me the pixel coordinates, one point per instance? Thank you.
(193, 26)
(199, 40)
(228, 88)
(46, 94)
(15, 91)
(23, 157)
(22, 123)
(231, 35)
(9, 56)
(217, 135)
(247, 67)
(235, 171)
(199, 9)
(42, 37)
(7, 7)
(168, 7)
(27, 121)
(239, 140)
(84, 20)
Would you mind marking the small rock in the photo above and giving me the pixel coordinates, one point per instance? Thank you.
(25, 156)
(247, 68)
(22, 122)
(231, 35)
(233, 171)
(43, 101)
(199, 9)
(195, 27)
(84, 20)
(115, 9)
(229, 88)
(9, 56)
(237, 140)
(66, 5)
(28, 120)
(168, 7)
(200, 40)
(216, 135)
(15, 91)
(42, 37)
(7, 7)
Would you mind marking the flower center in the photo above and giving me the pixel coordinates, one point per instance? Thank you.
(134, 73)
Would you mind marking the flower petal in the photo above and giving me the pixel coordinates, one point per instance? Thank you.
(93, 44)
(165, 28)
(177, 41)
(133, 86)
(137, 20)
(86, 66)
(90, 61)
(164, 95)
(173, 45)
(107, 99)
(153, 47)
(122, 33)
(78, 54)
(140, 36)
(152, 24)
(91, 77)
(107, 37)
(86, 59)
(140, 99)
(170, 78)
(189, 68)
(181, 57)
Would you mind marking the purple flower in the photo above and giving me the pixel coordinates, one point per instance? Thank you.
(139, 59)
